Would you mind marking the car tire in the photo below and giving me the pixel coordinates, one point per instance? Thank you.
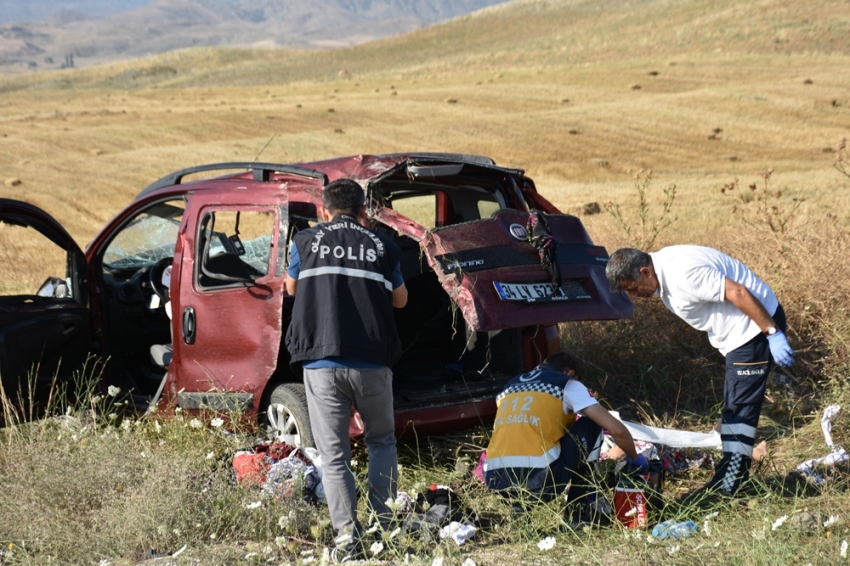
(287, 415)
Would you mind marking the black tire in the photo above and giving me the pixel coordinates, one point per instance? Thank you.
(289, 401)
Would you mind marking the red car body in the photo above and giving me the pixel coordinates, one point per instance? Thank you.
(482, 307)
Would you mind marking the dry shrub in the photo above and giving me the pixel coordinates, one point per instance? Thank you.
(655, 366)
(87, 495)
(810, 279)
(651, 366)
(75, 491)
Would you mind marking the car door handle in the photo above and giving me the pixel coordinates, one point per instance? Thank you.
(189, 325)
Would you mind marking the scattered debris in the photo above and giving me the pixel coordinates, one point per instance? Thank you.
(807, 522)
(458, 532)
(837, 455)
(12, 182)
(434, 509)
(281, 470)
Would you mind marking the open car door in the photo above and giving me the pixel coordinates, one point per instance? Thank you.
(496, 277)
(45, 320)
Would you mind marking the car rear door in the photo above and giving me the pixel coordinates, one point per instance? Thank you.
(228, 297)
(496, 277)
(45, 320)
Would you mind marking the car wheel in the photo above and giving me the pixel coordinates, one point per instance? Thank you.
(288, 418)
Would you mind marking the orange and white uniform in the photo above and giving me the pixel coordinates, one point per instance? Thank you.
(535, 411)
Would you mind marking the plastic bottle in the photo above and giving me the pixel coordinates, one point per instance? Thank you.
(669, 529)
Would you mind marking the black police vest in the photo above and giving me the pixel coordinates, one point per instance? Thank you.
(343, 305)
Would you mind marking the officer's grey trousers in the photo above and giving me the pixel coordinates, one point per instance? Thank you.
(331, 393)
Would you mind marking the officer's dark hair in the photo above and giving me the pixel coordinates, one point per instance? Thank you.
(562, 361)
(343, 196)
(625, 264)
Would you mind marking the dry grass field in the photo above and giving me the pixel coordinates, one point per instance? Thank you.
(580, 94)
(576, 94)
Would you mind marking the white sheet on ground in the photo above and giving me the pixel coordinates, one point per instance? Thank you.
(672, 437)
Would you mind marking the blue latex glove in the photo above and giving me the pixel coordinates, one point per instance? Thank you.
(780, 349)
(639, 462)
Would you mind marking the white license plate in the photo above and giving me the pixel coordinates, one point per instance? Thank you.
(534, 292)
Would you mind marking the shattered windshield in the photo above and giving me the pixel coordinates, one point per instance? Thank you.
(147, 238)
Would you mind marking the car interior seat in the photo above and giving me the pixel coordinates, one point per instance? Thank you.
(161, 355)
(226, 264)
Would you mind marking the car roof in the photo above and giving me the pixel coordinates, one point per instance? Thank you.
(358, 167)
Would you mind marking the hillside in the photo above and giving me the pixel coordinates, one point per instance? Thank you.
(519, 34)
(42, 10)
(577, 92)
(136, 29)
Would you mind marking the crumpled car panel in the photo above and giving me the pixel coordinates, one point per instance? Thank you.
(470, 258)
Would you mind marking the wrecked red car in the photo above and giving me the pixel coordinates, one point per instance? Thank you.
(485, 294)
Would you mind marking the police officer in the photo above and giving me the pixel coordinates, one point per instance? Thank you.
(539, 446)
(347, 279)
(744, 320)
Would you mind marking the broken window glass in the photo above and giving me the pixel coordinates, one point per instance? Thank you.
(150, 236)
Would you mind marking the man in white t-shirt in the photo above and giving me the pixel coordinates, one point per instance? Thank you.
(717, 294)
(546, 426)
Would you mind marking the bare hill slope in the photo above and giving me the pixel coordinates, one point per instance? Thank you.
(577, 92)
(164, 25)
(518, 34)
(43, 10)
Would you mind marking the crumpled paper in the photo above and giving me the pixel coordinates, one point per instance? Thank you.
(458, 532)
(836, 456)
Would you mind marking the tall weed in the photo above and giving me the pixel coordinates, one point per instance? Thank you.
(842, 161)
(766, 209)
(643, 231)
